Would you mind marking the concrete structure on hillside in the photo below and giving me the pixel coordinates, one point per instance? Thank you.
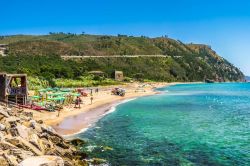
(13, 88)
(118, 75)
(3, 49)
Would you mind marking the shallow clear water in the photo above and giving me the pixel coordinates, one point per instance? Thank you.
(195, 124)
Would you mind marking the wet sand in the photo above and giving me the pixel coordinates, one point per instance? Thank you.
(81, 122)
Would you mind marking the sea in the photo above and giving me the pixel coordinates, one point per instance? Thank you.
(186, 124)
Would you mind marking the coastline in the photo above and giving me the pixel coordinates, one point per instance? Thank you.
(72, 120)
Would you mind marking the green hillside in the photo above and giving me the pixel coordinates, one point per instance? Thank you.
(40, 56)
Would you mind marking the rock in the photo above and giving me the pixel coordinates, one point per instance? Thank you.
(49, 130)
(21, 154)
(23, 144)
(6, 145)
(12, 161)
(3, 161)
(32, 123)
(28, 114)
(13, 121)
(13, 131)
(4, 113)
(76, 142)
(40, 121)
(33, 139)
(2, 127)
(43, 161)
(23, 131)
(97, 161)
(26, 141)
(25, 118)
(1, 136)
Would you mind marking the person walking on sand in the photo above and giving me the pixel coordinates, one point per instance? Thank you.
(91, 99)
(59, 110)
(78, 102)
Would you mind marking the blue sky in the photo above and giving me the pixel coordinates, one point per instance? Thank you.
(223, 24)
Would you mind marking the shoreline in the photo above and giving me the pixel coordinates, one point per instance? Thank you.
(82, 121)
(72, 120)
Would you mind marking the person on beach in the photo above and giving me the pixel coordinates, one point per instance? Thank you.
(78, 102)
(96, 90)
(91, 99)
(59, 110)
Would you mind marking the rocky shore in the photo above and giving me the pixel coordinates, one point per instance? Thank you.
(27, 142)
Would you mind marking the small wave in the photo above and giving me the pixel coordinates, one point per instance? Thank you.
(113, 108)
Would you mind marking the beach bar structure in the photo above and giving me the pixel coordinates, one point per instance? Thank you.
(13, 88)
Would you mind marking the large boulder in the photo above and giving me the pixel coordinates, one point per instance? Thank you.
(42, 160)
(4, 113)
(3, 161)
(24, 144)
(23, 131)
(11, 160)
(6, 146)
(33, 139)
(2, 127)
(20, 154)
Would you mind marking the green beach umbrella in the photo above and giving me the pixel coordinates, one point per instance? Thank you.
(35, 97)
(49, 89)
(65, 90)
(42, 90)
(56, 98)
(75, 94)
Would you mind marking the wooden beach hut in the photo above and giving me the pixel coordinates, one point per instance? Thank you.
(13, 88)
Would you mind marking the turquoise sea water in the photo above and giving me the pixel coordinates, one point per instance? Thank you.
(189, 124)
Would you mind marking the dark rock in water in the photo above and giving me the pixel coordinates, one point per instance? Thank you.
(77, 142)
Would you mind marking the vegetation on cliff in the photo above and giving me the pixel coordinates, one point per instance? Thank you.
(40, 56)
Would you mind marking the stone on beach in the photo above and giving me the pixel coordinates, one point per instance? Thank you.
(43, 160)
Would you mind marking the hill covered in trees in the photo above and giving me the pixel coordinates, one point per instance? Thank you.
(41, 56)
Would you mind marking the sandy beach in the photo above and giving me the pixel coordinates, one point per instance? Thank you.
(73, 120)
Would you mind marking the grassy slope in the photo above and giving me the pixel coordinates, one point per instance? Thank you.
(183, 62)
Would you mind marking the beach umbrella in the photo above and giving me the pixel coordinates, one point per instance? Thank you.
(42, 90)
(56, 98)
(49, 89)
(65, 90)
(75, 94)
(35, 97)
